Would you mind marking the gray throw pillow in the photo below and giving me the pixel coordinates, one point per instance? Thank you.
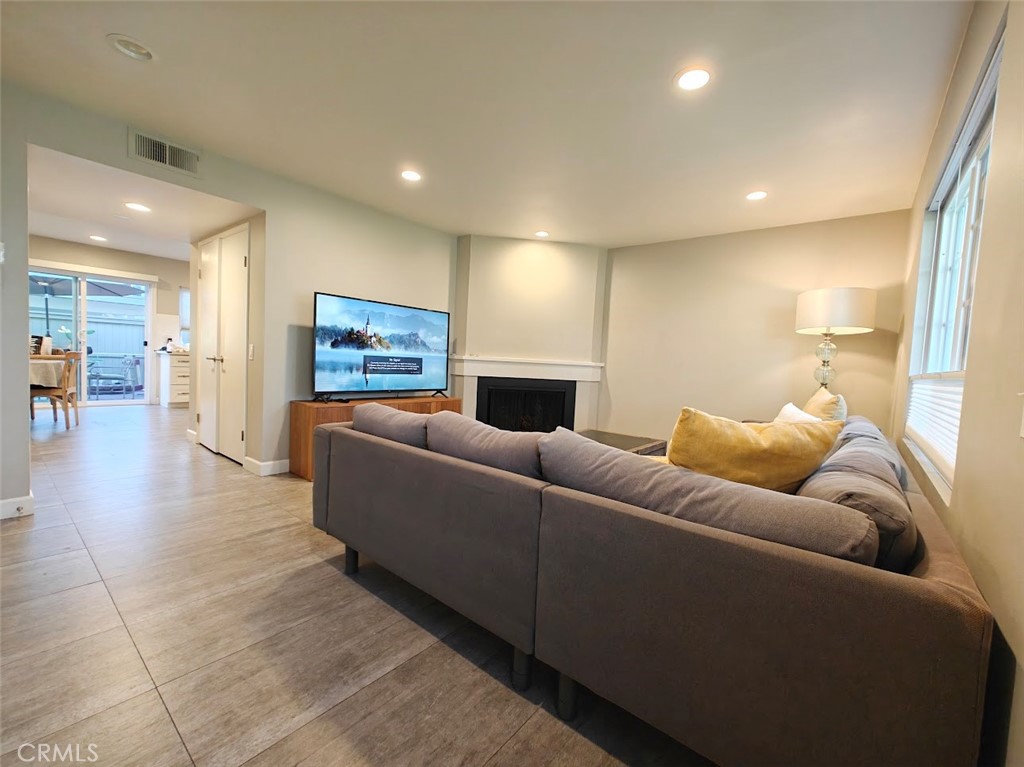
(461, 437)
(396, 425)
(860, 475)
(572, 461)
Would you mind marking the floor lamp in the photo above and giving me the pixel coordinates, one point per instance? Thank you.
(834, 312)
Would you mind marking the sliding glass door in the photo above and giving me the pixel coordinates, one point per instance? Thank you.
(115, 322)
(103, 317)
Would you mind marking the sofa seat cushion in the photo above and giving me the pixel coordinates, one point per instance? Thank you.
(572, 461)
(860, 475)
(461, 437)
(776, 455)
(396, 425)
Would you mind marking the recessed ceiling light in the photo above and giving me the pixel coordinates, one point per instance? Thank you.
(411, 175)
(129, 46)
(542, 233)
(137, 206)
(692, 79)
(97, 238)
(757, 195)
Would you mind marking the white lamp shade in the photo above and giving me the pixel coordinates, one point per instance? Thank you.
(839, 311)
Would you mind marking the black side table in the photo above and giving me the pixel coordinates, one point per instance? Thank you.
(638, 445)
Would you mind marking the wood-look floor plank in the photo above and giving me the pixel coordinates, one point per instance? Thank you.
(231, 710)
(175, 642)
(39, 577)
(42, 517)
(449, 705)
(51, 690)
(37, 544)
(41, 624)
(540, 740)
(125, 516)
(152, 590)
(136, 733)
(603, 735)
(186, 541)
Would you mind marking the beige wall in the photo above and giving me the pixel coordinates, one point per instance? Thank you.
(530, 299)
(172, 273)
(986, 511)
(709, 322)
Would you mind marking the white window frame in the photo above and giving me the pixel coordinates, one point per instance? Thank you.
(939, 353)
(967, 193)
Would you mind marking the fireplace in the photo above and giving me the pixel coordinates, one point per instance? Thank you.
(526, 404)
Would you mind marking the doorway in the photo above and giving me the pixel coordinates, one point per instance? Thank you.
(106, 318)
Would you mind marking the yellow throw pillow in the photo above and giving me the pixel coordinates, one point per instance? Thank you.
(777, 456)
(826, 406)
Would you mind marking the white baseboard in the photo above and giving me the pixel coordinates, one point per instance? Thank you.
(17, 507)
(265, 468)
(192, 436)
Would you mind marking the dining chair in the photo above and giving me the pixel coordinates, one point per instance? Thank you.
(67, 394)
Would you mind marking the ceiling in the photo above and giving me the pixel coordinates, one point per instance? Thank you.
(523, 116)
(70, 198)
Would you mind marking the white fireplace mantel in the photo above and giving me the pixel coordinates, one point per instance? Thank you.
(472, 366)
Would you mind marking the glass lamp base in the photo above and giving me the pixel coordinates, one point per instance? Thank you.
(825, 375)
(826, 351)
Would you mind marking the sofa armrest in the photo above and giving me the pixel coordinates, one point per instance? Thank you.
(321, 470)
(752, 652)
(938, 559)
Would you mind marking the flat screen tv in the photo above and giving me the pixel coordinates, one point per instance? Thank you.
(362, 346)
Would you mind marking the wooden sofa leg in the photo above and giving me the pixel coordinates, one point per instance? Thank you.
(351, 561)
(522, 664)
(567, 689)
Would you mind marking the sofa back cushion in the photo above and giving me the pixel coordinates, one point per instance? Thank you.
(396, 425)
(572, 461)
(461, 437)
(859, 427)
(776, 455)
(860, 475)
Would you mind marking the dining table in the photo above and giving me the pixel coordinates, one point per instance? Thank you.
(44, 370)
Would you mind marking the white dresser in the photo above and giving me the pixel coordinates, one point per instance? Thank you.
(174, 379)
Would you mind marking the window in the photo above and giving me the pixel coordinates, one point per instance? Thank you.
(955, 259)
(953, 231)
(184, 314)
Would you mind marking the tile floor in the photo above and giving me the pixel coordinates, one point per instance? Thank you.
(166, 608)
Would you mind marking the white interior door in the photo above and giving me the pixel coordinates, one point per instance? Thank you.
(208, 337)
(234, 292)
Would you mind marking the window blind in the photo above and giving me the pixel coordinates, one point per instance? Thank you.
(933, 418)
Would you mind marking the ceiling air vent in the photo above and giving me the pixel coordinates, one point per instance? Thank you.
(157, 150)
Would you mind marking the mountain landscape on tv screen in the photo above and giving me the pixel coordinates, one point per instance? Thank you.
(359, 338)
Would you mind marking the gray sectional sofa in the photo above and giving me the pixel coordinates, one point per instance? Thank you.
(756, 628)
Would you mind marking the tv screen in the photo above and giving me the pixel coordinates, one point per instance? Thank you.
(369, 346)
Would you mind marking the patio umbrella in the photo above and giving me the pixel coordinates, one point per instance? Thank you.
(55, 285)
(47, 285)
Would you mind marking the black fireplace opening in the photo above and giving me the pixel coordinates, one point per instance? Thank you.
(526, 404)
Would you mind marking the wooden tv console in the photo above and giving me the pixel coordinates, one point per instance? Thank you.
(306, 416)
